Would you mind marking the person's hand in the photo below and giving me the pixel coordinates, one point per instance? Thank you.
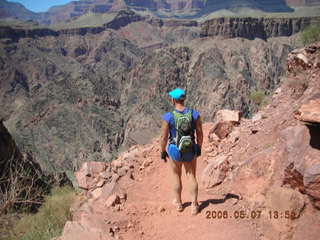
(164, 156)
(198, 150)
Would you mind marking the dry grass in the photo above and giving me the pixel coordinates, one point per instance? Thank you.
(49, 221)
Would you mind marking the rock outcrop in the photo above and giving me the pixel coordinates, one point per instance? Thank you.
(251, 28)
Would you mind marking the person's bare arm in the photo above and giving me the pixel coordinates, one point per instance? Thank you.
(199, 132)
(164, 135)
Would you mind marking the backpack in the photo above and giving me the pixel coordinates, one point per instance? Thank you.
(184, 130)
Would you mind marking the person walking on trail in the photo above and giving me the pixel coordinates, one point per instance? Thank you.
(180, 127)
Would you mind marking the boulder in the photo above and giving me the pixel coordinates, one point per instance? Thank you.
(112, 200)
(283, 199)
(107, 190)
(89, 170)
(311, 181)
(96, 193)
(225, 115)
(310, 112)
(84, 182)
(74, 230)
(221, 130)
(215, 172)
(303, 169)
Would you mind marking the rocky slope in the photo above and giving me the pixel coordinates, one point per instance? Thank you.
(12, 9)
(259, 177)
(76, 95)
(193, 8)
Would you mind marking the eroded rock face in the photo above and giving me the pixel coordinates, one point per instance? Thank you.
(310, 112)
(103, 91)
(215, 172)
(251, 28)
(196, 7)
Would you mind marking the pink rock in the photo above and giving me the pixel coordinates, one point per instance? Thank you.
(117, 164)
(82, 180)
(101, 183)
(85, 176)
(74, 230)
(113, 200)
(105, 175)
(225, 115)
(310, 112)
(97, 167)
(96, 193)
(215, 172)
(222, 129)
(107, 190)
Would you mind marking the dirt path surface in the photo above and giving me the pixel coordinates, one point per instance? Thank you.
(158, 219)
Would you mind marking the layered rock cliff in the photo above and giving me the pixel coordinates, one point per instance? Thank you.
(255, 27)
(193, 8)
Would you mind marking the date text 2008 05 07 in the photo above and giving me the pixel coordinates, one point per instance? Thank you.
(255, 214)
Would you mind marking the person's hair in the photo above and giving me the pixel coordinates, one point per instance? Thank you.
(181, 101)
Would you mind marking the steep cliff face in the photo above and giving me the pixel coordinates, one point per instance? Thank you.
(255, 27)
(78, 8)
(194, 8)
(73, 97)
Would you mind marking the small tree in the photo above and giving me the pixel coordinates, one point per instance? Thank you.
(310, 35)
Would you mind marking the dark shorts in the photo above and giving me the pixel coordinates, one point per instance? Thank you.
(176, 155)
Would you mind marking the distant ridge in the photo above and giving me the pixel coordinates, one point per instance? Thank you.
(162, 8)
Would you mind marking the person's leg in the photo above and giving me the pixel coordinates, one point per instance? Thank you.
(191, 168)
(177, 184)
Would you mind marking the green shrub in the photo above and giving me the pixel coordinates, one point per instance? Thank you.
(258, 97)
(49, 221)
(310, 35)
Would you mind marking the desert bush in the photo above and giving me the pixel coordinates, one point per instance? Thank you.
(258, 97)
(310, 35)
(49, 221)
(22, 185)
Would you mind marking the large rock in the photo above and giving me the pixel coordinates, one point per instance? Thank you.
(303, 167)
(74, 230)
(215, 172)
(310, 112)
(221, 130)
(283, 199)
(89, 170)
(311, 181)
(226, 115)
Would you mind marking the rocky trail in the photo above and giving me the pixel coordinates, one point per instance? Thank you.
(258, 178)
(147, 212)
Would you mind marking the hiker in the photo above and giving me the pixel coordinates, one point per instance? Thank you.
(179, 127)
